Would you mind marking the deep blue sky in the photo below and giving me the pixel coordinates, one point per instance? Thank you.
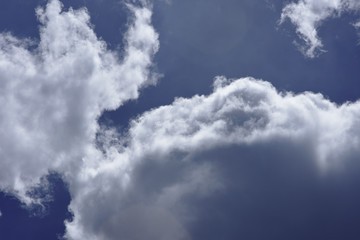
(200, 40)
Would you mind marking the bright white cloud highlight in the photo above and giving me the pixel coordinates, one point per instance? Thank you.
(243, 112)
(308, 15)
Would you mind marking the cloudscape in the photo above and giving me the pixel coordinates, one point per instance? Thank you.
(179, 119)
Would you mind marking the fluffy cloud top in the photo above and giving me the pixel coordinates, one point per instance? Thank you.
(243, 112)
(308, 15)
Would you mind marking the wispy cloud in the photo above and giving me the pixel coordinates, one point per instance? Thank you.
(308, 15)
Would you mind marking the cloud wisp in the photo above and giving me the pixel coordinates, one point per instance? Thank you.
(172, 156)
(308, 15)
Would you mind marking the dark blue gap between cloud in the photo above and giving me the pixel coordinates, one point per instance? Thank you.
(200, 40)
(36, 223)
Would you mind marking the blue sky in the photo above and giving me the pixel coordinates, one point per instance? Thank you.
(179, 119)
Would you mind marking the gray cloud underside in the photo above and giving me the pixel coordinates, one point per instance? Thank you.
(308, 15)
(189, 149)
(176, 152)
(144, 183)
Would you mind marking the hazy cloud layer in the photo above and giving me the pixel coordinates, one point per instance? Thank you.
(308, 15)
(148, 182)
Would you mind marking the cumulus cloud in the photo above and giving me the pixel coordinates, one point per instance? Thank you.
(54, 90)
(308, 15)
(175, 154)
(245, 111)
(145, 183)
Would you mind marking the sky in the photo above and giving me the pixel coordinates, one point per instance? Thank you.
(179, 119)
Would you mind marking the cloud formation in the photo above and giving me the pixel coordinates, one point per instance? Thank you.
(247, 111)
(175, 154)
(53, 91)
(308, 15)
(143, 183)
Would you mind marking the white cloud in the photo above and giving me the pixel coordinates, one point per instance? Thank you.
(308, 15)
(171, 152)
(53, 95)
(0, 213)
(243, 112)
(139, 183)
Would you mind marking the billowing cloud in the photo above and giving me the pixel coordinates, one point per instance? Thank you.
(308, 15)
(175, 154)
(147, 182)
(245, 111)
(53, 91)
